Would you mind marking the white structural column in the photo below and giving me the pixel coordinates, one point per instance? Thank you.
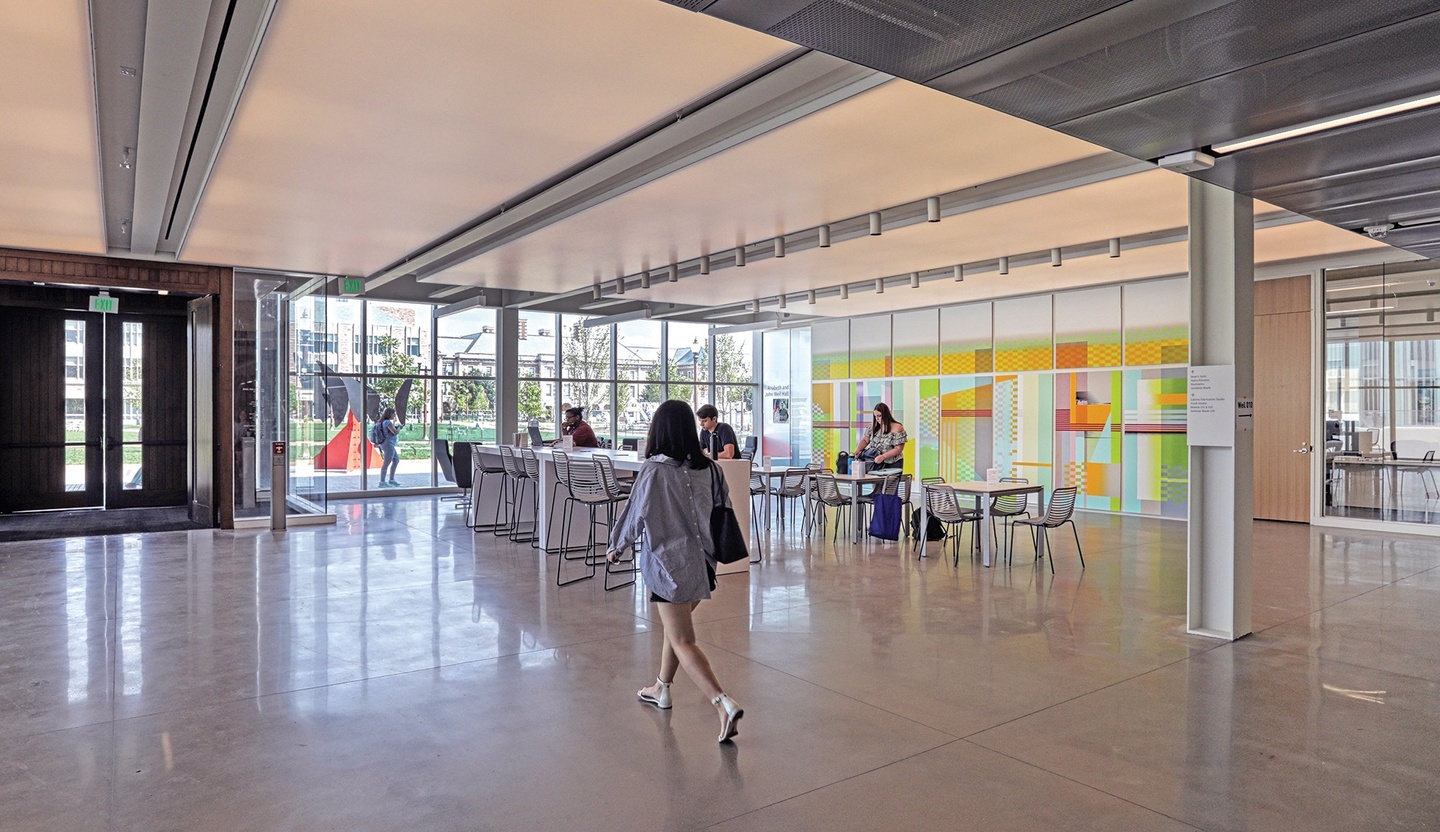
(507, 374)
(1222, 314)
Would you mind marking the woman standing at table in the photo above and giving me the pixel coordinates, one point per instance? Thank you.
(883, 445)
(669, 513)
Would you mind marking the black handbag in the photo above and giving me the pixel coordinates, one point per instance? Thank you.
(724, 528)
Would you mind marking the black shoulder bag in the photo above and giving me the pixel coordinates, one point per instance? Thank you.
(724, 528)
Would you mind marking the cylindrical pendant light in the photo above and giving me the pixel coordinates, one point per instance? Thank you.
(779, 246)
(845, 292)
(1054, 256)
(673, 273)
(824, 236)
(596, 292)
(932, 209)
(645, 279)
(812, 297)
(740, 255)
(874, 223)
(704, 264)
(1114, 246)
(959, 272)
(620, 286)
(914, 280)
(879, 285)
(1004, 264)
(782, 301)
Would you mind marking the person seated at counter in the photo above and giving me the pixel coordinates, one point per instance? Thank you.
(883, 445)
(564, 423)
(578, 429)
(716, 438)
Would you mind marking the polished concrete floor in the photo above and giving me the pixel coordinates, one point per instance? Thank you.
(398, 672)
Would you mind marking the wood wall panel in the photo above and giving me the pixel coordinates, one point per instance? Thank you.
(1289, 294)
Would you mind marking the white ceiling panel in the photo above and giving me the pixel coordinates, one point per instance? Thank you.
(1123, 207)
(49, 179)
(892, 145)
(369, 128)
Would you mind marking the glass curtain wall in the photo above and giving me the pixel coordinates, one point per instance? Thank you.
(1382, 390)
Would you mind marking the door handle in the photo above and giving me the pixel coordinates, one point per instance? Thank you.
(1304, 450)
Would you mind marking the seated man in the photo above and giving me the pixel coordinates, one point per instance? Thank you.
(716, 437)
(579, 430)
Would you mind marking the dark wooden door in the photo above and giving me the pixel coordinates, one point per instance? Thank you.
(51, 453)
(146, 411)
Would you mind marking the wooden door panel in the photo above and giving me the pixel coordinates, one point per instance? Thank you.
(1282, 403)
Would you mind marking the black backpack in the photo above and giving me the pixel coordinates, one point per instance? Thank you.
(842, 462)
(934, 530)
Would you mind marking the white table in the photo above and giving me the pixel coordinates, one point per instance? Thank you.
(768, 473)
(855, 481)
(984, 491)
(547, 494)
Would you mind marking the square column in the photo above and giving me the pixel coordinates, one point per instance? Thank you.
(1222, 320)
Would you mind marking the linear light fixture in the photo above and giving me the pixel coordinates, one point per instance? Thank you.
(1320, 125)
(824, 236)
(932, 209)
(1363, 311)
(874, 223)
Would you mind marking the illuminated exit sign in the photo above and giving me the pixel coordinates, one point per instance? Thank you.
(104, 303)
(352, 285)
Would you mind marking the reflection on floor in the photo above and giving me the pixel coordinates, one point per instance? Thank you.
(395, 671)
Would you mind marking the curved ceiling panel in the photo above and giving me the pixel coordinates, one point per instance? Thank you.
(49, 180)
(369, 128)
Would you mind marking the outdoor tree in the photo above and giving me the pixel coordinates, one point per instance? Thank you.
(396, 361)
(532, 408)
(586, 355)
(732, 366)
(654, 392)
(470, 398)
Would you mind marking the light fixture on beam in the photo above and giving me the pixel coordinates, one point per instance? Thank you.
(874, 223)
(672, 273)
(1054, 257)
(1319, 125)
(845, 291)
(914, 280)
(704, 264)
(645, 279)
(932, 209)
(782, 301)
(755, 307)
(596, 292)
(1114, 246)
(811, 295)
(824, 236)
(779, 246)
(1003, 265)
(620, 286)
(740, 256)
(959, 273)
(879, 285)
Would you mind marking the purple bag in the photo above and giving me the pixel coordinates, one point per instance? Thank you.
(885, 522)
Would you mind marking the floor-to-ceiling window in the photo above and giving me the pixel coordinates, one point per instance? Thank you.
(1382, 390)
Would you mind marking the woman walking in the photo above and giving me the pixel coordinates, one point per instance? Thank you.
(390, 448)
(669, 513)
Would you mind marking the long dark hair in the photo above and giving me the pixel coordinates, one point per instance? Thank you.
(673, 433)
(884, 410)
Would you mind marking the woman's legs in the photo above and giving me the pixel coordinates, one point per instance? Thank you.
(392, 461)
(681, 650)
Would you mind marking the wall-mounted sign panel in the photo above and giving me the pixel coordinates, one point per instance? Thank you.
(104, 304)
(351, 286)
(1211, 406)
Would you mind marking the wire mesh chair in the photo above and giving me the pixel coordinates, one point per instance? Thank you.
(791, 487)
(481, 468)
(813, 507)
(1005, 509)
(514, 476)
(1059, 512)
(529, 472)
(827, 495)
(942, 504)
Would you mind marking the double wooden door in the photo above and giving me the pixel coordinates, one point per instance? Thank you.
(96, 409)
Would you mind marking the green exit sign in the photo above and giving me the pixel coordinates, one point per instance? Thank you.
(104, 303)
(352, 285)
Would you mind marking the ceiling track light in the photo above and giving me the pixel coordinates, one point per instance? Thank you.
(755, 307)
(879, 285)
(645, 279)
(672, 273)
(740, 256)
(811, 297)
(914, 280)
(1003, 264)
(824, 236)
(932, 209)
(620, 286)
(845, 292)
(704, 264)
(782, 301)
(874, 223)
(779, 246)
(959, 273)
(596, 292)
(1114, 246)
(1054, 256)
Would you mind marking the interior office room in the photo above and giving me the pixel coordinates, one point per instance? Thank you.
(302, 304)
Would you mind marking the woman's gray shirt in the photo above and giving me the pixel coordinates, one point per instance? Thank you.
(669, 513)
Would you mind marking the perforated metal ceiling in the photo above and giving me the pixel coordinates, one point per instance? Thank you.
(1153, 77)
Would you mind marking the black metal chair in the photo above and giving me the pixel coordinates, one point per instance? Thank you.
(827, 495)
(1057, 513)
(942, 504)
(441, 449)
(462, 464)
(752, 444)
(1005, 509)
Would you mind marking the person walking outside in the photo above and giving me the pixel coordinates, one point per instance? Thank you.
(669, 513)
(389, 431)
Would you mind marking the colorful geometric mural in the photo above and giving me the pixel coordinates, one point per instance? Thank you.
(1025, 427)
(1157, 322)
(1024, 339)
(830, 421)
(1088, 333)
(965, 339)
(1088, 438)
(1157, 457)
(870, 355)
(916, 343)
(967, 427)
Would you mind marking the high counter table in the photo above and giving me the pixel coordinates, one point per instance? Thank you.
(548, 493)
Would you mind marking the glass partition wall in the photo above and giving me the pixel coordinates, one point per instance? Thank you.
(316, 369)
(1382, 391)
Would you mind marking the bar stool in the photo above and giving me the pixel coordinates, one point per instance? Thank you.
(585, 487)
(480, 469)
(530, 468)
(510, 466)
